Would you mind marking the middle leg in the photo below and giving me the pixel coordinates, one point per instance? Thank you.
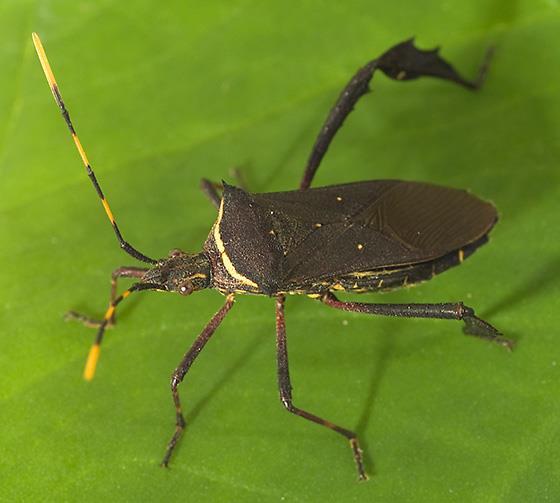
(285, 387)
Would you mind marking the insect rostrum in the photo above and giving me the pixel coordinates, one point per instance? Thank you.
(356, 237)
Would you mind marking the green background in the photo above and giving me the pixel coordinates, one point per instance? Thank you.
(165, 93)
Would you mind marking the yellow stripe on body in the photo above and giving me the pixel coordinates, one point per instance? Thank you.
(221, 248)
(198, 275)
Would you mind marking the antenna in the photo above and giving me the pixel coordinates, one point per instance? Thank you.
(58, 99)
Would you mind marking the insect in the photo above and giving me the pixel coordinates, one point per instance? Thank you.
(357, 237)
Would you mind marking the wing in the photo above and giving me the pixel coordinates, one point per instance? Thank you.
(362, 226)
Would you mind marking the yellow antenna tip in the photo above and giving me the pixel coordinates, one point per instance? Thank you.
(91, 363)
(37, 43)
(44, 62)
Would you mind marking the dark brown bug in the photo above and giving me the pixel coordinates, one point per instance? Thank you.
(357, 237)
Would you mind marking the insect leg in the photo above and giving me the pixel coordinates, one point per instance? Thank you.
(402, 62)
(127, 247)
(285, 387)
(121, 272)
(448, 311)
(183, 368)
(211, 189)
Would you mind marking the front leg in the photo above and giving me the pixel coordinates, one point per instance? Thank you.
(184, 366)
(121, 272)
(448, 311)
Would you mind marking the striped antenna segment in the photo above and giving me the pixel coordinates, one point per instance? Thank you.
(58, 99)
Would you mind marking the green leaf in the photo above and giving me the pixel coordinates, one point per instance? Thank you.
(163, 95)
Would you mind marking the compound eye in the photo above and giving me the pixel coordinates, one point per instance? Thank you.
(175, 253)
(186, 288)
